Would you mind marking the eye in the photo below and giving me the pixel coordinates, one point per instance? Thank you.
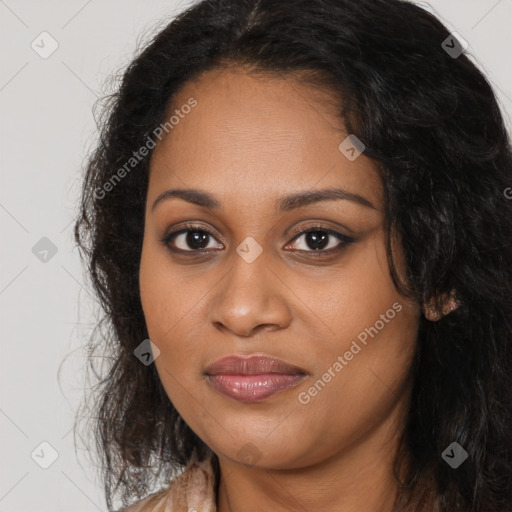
(190, 235)
(194, 239)
(316, 238)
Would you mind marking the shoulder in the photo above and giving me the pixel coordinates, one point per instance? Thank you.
(193, 488)
(153, 503)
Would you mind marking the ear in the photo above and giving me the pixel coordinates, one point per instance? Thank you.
(446, 304)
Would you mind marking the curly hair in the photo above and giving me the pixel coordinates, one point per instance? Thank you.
(432, 123)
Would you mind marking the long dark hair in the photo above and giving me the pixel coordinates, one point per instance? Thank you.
(430, 120)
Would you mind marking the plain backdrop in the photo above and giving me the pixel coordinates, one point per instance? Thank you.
(47, 129)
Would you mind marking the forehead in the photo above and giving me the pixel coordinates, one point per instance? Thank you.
(260, 136)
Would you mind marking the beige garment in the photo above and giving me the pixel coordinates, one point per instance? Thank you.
(191, 491)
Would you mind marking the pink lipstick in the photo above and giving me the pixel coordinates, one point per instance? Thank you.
(254, 378)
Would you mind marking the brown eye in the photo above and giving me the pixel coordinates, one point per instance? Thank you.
(318, 240)
(190, 238)
(321, 240)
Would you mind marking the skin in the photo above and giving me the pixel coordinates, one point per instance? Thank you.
(249, 141)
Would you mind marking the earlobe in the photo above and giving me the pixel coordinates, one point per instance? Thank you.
(447, 304)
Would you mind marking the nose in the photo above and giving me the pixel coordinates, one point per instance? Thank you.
(249, 299)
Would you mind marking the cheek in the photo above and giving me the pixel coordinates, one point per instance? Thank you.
(356, 384)
(165, 308)
(357, 296)
(177, 364)
(173, 305)
(360, 367)
(166, 298)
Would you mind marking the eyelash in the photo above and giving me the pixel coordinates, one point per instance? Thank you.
(344, 240)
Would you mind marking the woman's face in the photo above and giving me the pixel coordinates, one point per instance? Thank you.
(323, 303)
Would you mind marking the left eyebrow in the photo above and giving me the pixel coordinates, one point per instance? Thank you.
(284, 204)
(301, 199)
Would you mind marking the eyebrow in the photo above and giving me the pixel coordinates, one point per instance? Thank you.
(284, 204)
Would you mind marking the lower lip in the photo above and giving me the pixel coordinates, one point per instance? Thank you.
(252, 388)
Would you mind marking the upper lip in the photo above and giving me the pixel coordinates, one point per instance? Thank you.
(252, 365)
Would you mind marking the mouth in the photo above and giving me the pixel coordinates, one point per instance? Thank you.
(252, 379)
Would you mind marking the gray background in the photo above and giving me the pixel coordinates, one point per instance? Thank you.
(47, 128)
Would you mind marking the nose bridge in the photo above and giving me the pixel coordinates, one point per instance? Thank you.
(250, 295)
(248, 280)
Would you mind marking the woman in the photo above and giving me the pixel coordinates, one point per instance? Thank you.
(296, 222)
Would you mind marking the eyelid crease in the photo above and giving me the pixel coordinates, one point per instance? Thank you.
(296, 232)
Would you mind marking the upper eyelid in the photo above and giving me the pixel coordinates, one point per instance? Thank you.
(296, 233)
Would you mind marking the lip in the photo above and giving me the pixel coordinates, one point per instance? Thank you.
(251, 365)
(253, 378)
